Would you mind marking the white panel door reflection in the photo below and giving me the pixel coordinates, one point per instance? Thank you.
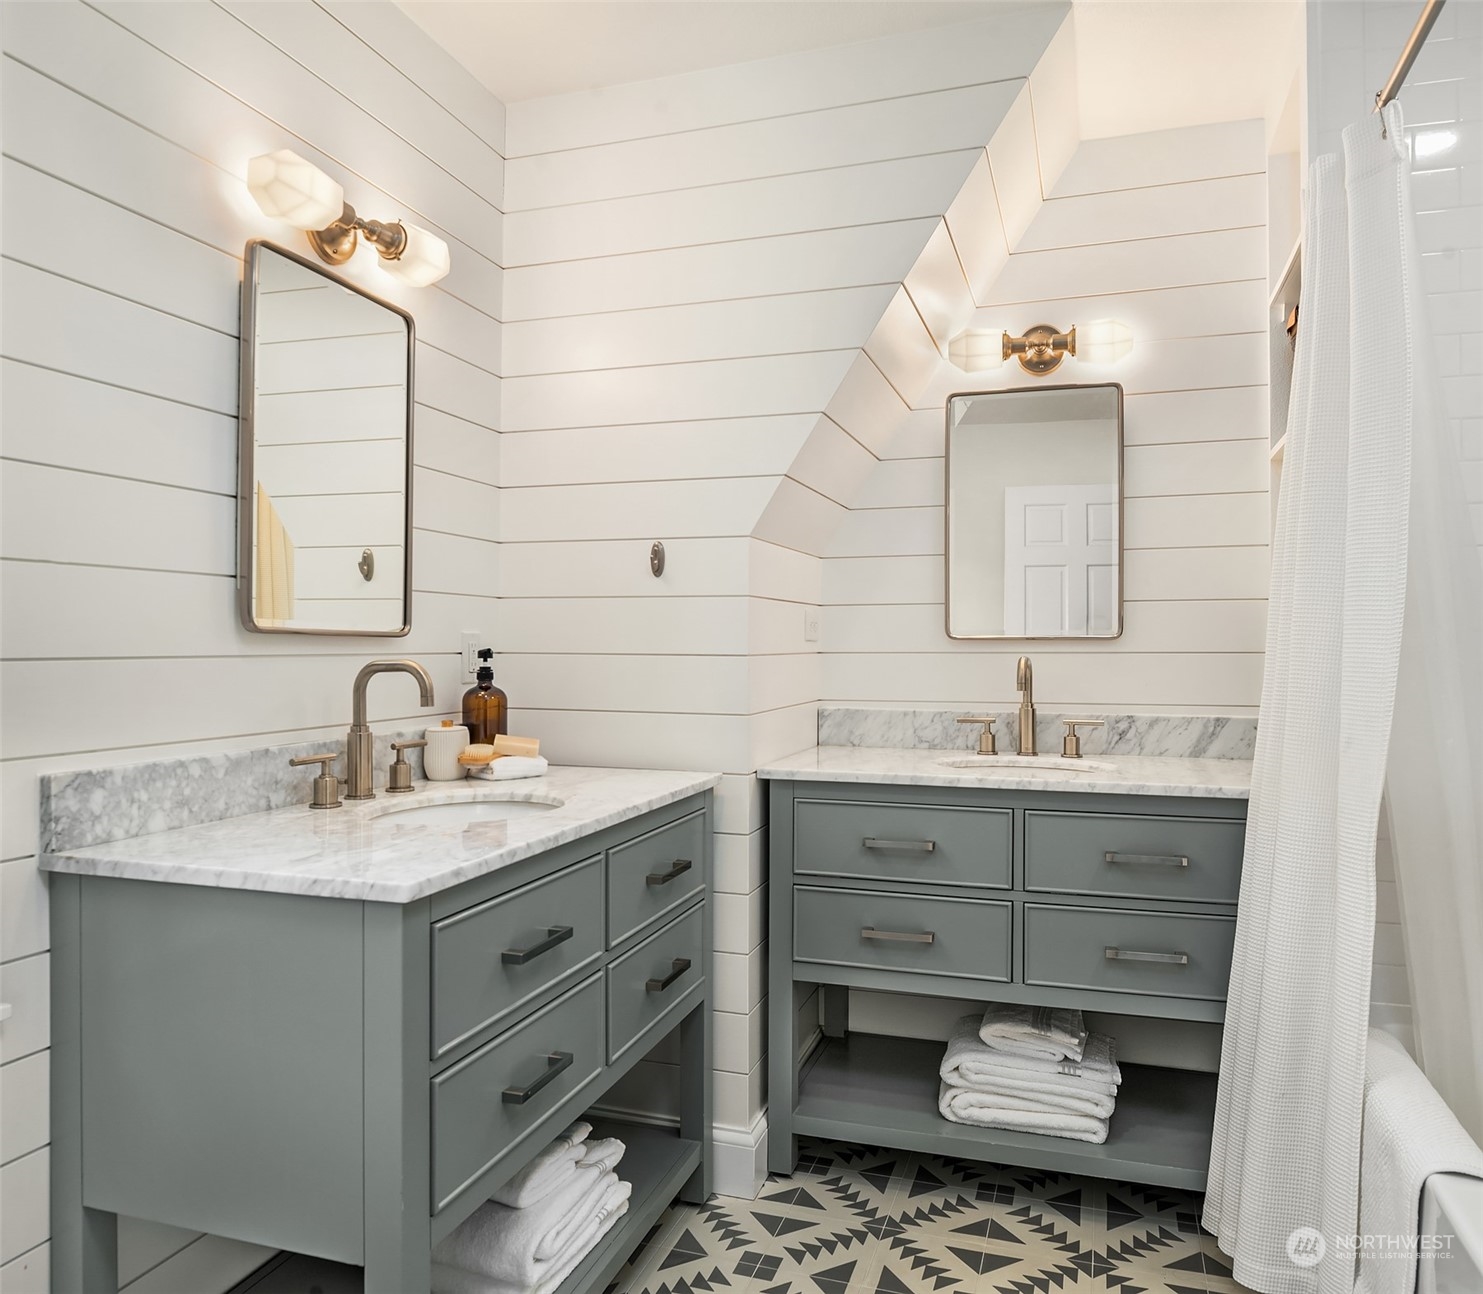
(1060, 560)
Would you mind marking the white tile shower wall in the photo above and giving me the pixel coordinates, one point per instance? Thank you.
(1352, 48)
(131, 124)
(695, 265)
(1167, 232)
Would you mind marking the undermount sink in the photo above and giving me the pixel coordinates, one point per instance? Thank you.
(492, 808)
(1027, 764)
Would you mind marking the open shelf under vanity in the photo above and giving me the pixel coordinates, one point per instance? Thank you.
(883, 1091)
(657, 1162)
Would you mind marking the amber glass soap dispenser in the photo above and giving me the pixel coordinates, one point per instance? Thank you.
(485, 707)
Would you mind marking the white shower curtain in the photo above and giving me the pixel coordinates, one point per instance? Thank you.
(1288, 1114)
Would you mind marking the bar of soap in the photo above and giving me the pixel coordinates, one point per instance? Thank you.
(527, 746)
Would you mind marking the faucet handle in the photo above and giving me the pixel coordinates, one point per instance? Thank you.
(1071, 742)
(987, 744)
(326, 784)
(400, 780)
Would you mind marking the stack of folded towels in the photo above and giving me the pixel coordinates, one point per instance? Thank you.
(541, 1224)
(1030, 1069)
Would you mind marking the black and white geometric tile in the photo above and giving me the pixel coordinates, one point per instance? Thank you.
(864, 1220)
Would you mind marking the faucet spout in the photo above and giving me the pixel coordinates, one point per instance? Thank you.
(359, 771)
(1024, 680)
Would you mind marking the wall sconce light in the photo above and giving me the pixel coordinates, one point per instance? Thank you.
(288, 188)
(1042, 348)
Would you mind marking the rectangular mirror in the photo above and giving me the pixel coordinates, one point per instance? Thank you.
(324, 493)
(1034, 496)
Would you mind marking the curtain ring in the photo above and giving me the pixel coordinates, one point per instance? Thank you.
(1380, 108)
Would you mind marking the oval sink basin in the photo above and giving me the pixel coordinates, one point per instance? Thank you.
(1027, 764)
(460, 812)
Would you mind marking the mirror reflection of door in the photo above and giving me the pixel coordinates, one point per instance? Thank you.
(1034, 513)
(1060, 560)
(326, 501)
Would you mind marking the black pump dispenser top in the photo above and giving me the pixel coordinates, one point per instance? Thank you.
(486, 670)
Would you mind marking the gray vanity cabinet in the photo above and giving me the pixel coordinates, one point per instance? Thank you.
(1116, 903)
(351, 1079)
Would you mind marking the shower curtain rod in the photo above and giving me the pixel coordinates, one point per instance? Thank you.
(1430, 12)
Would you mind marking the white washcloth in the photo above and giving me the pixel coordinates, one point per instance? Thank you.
(981, 1111)
(449, 1279)
(1037, 1031)
(548, 1170)
(509, 767)
(518, 1246)
(1409, 1133)
(970, 1062)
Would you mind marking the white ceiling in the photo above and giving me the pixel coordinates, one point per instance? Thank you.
(1144, 64)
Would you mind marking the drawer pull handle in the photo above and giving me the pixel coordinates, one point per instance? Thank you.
(555, 1063)
(682, 865)
(901, 936)
(908, 846)
(519, 956)
(1153, 860)
(680, 965)
(1128, 955)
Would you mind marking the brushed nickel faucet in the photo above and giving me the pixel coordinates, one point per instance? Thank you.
(1024, 680)
(359, 759)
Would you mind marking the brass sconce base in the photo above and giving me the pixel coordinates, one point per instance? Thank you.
(1041, 349)
(336, 243)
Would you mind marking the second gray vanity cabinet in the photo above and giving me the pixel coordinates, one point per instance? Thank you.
(486, 1106)
(492, 960)
(935, 935)
(654, 876)
(1124, 855)
(648, 984)
(1164, 954)
(918, 843)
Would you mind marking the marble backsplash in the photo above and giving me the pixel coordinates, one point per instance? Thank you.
(95, 806)
(1177, 735)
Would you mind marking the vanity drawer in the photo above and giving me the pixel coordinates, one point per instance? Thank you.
(508, 1090)
(489, 961)
(655, 875)
(649, 982)
(1167, 954)
(968, 938)
(929, 843)
(1134, 857)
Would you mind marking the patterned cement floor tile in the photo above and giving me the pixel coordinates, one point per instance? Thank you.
(865, 1220)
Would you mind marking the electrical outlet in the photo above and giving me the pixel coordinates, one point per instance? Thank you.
(470, 654)
(810, 624)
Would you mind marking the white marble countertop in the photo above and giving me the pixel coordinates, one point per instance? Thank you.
(1228, 779)
(362, 851)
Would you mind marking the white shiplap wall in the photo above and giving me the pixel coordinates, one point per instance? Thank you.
(1165, 231)
(704, 313)
(126, 132)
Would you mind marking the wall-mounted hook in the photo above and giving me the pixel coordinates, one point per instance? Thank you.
(656, 559)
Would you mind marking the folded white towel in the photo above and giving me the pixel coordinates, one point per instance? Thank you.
(1409, 1133)
(1029, 1096)
(519, 1245)
(970, 1062)
(548, 1170)
(1036, 1031)
(449, 1279)
(510, 767)
(605, 1154)
(962, 1106)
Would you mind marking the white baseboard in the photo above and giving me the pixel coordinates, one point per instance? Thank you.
(741, 1160)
